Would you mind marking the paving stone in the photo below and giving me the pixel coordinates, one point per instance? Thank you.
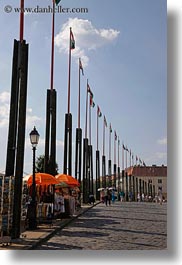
(121, 226)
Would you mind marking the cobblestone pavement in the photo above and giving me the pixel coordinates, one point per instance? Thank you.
(121, 226)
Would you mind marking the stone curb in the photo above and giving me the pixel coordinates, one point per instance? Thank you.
(52, 233)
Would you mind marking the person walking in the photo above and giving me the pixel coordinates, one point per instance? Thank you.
(113, 196)
(160, 195)
(106, 196)
(109, 197)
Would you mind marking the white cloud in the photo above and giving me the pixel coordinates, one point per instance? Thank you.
(4, 112)
(162, 141)
(4, 108)
(87, 37)
(5, 97)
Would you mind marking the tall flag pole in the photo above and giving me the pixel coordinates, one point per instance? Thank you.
(103, 155)
(71, 47)
(130, 158)
(80, 69)
(136, 160)
(130, 179)
(123, 184)
(91, 105)
(119, 184)
(50, 149)
(114, 175)
(88, 91)
(99, 114)
(118, 151)
(21, 20)
(109, 161)
(17, 128)
(52, 48)
(86, 183)
(135, 181)
(68, 117)
(115, 139)
(126, 173)
(78, 147)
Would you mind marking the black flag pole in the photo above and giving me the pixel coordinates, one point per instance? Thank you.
(21, 20)
(109, 161)
(92, 104)
(114, 173)
(123, 184)
(85, 152)
(103, 158)
(17, 126)
(99, 114)
(67, 166)
(119, 182)
(78, 149)
(50, 134)
(126, 173)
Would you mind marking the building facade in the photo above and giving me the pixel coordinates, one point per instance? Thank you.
(150, 179)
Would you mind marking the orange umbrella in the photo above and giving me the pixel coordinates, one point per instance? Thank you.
(42, 179)
(67, 179)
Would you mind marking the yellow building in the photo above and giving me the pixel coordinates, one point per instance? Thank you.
(152, 178)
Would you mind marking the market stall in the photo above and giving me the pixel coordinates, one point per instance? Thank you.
(70, 193)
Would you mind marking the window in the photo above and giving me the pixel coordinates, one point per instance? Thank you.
(159, 181)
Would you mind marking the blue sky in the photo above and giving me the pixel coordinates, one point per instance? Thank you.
(123, 47)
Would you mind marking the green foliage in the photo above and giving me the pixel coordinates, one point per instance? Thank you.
(39, 164)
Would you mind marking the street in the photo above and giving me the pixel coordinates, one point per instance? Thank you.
(120, 226)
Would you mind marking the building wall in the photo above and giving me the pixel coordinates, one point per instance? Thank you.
(156, 175)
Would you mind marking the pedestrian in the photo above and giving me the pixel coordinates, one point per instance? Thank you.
(121, 195)
(143, 197)
(160, 195)
(106, 196)
(102, 195)
(91, 198)
(109, 196)
(113, 196)
(138, 197)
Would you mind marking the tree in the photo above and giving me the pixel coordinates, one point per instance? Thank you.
(39, 164)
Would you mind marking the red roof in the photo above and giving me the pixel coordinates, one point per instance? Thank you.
(148, 171)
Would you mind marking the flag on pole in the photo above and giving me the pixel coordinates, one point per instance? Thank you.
(118, 141)
(105, 122)
(124, 147)
(89, 90)
(115, 135)
(110, 128)
(99, 113)
(80, 66)
(72, 40)
(92, 104)
(144, 164)
(136, 158)
(57, 1)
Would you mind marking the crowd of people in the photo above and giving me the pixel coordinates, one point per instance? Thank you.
(109, 195)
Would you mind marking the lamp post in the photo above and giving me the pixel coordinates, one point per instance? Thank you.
(34, 138)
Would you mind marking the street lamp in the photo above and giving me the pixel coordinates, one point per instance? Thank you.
(34, 138)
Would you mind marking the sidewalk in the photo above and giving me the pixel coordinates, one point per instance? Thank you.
(30, 239)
